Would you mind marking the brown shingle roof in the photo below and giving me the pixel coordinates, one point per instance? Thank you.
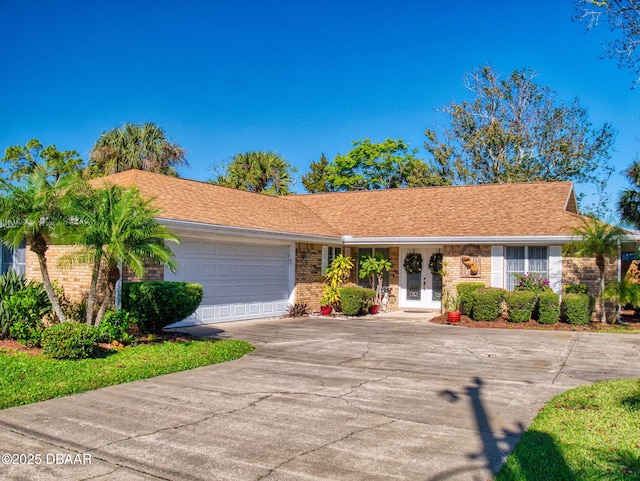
(526, 209)
(189, 200)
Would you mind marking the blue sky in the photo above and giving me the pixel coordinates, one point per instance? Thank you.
(296, 77)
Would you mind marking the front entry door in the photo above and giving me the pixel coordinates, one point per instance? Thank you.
(420, 290)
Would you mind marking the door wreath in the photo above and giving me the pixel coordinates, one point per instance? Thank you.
(435, 264)
(413, 263)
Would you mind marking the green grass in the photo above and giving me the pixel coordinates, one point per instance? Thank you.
(26, 379)
(588, 433)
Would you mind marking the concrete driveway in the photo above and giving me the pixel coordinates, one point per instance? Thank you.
(384, 398)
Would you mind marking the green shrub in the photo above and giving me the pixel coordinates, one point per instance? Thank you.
(465, 295)
(157, 304)
(355, 298)
(115, 324)
(576, 289)
(548, 307)
(520, 305)
(487, 303)
(25, 310)
(10, 283)
(70, 340)
(577, 309)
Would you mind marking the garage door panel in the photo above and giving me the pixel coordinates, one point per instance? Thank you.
(240, 281)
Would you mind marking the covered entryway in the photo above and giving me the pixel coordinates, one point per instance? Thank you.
(419, 288)
(240, 280)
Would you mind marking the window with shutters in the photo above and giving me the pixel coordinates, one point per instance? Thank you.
(525, 260)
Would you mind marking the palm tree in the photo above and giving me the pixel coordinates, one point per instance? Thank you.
(33, 211)
(261, 172)
(596, 239)
(116, 227)
(623, 292)
(144, 147)
(629, 203)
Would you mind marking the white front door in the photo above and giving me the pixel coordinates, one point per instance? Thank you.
(420, 289)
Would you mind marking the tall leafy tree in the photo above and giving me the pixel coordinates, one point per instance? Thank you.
(317, 180)
(623, 18)
(514, 130)
(629, 202)
(117, 227)
(261, 172)
(33, 211)
(20, 161)
(599, 240)
(135, 146)
(372, 166)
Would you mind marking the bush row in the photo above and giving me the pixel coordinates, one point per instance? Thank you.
(25, 311)
(487, 304)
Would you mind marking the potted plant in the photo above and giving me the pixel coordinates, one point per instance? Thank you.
(331, 297)
(452, 306)
(335, 276)
(373, 267)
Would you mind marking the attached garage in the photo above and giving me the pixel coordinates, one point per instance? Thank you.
(240, 280)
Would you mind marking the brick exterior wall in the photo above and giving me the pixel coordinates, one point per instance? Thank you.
(310, 280)
(154, 272)
(309, 283)
(454, 273)
(75, 281)
(583, 270)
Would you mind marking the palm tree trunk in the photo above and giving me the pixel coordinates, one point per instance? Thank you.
(113, 275)
(603, 313)
(93, 288)
(46, 282)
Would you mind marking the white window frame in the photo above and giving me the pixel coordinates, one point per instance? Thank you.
(17, 258)
(329, 253)
(386, 278)
(527, 270)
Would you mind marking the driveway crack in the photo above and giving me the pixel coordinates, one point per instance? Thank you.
(326, 445)
(564, 362)
(361, 356)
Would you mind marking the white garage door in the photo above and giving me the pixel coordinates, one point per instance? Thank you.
(240, 281)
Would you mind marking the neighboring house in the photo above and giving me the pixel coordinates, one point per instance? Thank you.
(254, 253)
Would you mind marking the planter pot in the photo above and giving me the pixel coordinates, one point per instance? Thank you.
(453, 316)
(325, 310)
(374, 309)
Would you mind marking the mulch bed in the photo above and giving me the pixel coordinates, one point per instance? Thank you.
(501, 323)
(8, 346)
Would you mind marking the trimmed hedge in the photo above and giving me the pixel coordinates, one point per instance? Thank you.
(487, 303)
(520, 305)
(548, 307)
(576, 289)
(354, 299)
(70, 340)
(156, 304)
(576, 309)
(465, 295)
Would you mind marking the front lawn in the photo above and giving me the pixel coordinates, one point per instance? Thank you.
(588, 433)
(27, 378)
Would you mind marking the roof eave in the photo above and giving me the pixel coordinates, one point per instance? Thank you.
(244, 232)
(441, 240)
